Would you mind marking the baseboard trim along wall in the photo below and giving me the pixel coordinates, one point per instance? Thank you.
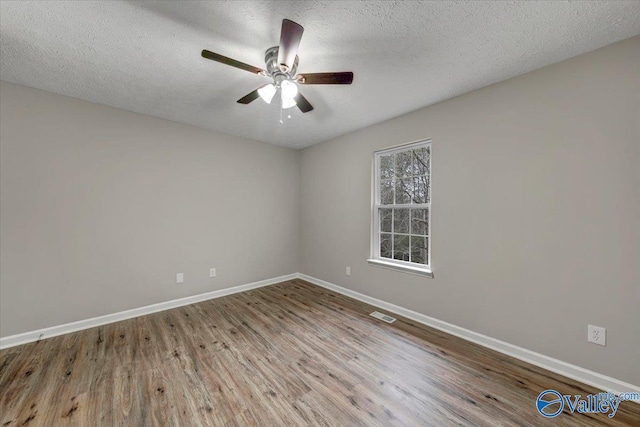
(27, 337)
(577, 373)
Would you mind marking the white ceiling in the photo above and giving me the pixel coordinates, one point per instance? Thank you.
(145, 56)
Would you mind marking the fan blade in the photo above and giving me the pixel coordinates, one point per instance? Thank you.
(290, 36)
(341, 78)
(252, 96)
(228, 61)
(302, 103)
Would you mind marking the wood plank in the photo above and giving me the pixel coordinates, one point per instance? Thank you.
(287, 354)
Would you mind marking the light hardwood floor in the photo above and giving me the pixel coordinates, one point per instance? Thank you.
(288, 354)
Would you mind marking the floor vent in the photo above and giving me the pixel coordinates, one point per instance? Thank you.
(383, 317)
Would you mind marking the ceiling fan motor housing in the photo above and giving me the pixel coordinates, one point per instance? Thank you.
(273, 68)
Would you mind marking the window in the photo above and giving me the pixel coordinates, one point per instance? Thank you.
(401, 208)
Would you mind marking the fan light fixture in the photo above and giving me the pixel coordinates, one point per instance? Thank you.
(289, 89)
(281, 65)
(288, 102)
(267, 92)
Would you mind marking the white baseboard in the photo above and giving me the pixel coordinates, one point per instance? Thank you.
(577, 373)
(27, 337)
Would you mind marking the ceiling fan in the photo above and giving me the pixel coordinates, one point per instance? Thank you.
(281, 66)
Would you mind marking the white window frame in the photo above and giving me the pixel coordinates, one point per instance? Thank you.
(375, 258)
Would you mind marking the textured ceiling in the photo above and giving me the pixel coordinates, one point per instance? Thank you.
(145, 56)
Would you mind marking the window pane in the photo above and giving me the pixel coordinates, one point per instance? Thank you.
(404, 190)
(386, 218)
(420, 189)
(385, 245)
(421, 161)
(419, 221)
(401, 247)
(419, 250)
(401, 221)
(403, 164)
(386, 192)
(386, 167)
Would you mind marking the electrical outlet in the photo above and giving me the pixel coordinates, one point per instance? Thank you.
(212, 272)
(597, 335)
(348, 271)
(180, 278)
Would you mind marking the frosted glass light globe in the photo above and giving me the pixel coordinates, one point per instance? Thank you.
(267, 92)
(288, 103)
(289, 89)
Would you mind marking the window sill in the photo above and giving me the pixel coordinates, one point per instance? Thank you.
(404, 268)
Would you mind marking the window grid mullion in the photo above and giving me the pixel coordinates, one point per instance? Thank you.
(393, 229)
(405, 206)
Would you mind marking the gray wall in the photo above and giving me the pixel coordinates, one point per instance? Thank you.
(102, 207)
(536, 210)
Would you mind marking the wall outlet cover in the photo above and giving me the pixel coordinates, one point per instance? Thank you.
(597, 335)
(180, 278)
